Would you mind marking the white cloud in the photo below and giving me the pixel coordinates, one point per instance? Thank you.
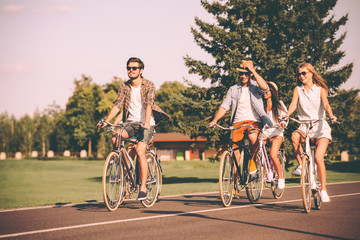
(54, 10)
(13, 9)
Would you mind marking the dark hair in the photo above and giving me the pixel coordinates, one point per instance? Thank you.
(276, 105)
(135, 59)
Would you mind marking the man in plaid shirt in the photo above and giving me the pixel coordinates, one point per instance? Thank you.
(135, 102)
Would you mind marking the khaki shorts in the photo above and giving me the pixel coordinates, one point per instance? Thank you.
(139, 133)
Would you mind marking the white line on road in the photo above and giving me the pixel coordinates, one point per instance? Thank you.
(165, 196)
(157, 216)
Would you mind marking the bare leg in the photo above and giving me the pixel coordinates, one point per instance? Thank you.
(254, 143)
(143, 165)
(296, 139)
(321, 146)
(275, 147)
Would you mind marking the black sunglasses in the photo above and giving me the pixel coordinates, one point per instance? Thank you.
(302, 73)
(132, 68)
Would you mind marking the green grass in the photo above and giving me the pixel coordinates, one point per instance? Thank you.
(26, 183)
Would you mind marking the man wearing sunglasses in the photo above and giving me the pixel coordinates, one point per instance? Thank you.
(245, 99)
(135, 102)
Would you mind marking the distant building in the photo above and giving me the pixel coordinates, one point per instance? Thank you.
(178, 146)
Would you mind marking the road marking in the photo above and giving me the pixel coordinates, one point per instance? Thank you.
(157, 216)
(165, 196)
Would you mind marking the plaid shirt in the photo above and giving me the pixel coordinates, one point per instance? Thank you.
(147, 92)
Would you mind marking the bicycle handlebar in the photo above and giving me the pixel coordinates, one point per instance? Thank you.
(312, 121)
(232, 127)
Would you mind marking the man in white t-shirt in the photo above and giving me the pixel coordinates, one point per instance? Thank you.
(135, 102)
(245, 99)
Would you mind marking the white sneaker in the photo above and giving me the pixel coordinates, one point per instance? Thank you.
(281, 183)
(324, 196)
(297, 171)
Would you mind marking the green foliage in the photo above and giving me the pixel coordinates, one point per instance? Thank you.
(346, 136)
(81, 111)
(276, 35)
(164, 97)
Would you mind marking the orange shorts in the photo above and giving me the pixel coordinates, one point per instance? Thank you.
(239, 134)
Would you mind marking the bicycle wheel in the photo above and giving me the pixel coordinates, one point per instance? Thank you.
(153, 181)
(317, 199)
(278, 193)
(112, 181)
(226, 178)
(255, 186)
(305, 183)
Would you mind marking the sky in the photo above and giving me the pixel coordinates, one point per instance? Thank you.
(46, 44)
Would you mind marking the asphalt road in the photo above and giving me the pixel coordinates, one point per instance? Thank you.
(194, 216)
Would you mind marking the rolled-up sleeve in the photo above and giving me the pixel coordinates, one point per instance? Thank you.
(227, 101)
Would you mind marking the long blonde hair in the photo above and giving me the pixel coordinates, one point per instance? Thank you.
(318, 80)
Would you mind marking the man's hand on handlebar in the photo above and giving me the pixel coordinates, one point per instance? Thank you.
(101, 124)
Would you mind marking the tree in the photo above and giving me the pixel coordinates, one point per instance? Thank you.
(276, 35)
(164, 97)
(346, 136)
(81, 111)
(5, 133)
(26, 129)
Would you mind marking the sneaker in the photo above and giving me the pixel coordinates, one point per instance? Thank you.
(281, 183)
(252, 167)
(297, 171)
(141, 196)
(324, 196)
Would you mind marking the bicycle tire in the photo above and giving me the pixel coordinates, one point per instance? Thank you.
(226, 178)
(255, 187)
(305, 184)
(112, 181)
(317, 200)
(278, 193)
(153, 181)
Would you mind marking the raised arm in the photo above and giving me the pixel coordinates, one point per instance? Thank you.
(261, 82)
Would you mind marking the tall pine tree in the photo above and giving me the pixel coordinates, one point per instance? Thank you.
(277, 35)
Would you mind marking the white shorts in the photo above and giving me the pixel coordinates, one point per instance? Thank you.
(319, 130)
(272, 132)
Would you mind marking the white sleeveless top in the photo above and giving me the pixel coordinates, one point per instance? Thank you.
(310, 107)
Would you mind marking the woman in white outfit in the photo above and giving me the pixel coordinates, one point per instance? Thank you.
(275, 110)
(310, 97)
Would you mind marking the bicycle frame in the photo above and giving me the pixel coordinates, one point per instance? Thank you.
(266, 161)
(309, 150)
(242, 148)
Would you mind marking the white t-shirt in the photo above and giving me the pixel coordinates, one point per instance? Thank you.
(136, 107)
(245, 111)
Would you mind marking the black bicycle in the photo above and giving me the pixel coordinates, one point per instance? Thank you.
(234, 175)
(121, 176)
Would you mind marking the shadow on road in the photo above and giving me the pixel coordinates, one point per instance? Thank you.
(171, 180)
(310, 235)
